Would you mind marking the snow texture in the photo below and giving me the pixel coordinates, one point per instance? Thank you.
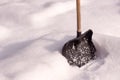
(32, 33)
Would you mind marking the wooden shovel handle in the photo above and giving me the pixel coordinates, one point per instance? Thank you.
(78, 16)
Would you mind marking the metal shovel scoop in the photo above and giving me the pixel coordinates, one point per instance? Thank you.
(81, 49)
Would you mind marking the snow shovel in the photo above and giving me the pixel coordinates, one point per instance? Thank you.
(81, 49)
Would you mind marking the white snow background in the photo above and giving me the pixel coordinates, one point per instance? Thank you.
(32, 33)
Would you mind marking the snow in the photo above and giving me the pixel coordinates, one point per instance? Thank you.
(32, 34)
(5, 33)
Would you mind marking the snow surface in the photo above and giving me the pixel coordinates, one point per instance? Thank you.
(32, 33)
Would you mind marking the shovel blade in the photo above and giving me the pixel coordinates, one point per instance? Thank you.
(80, 50)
